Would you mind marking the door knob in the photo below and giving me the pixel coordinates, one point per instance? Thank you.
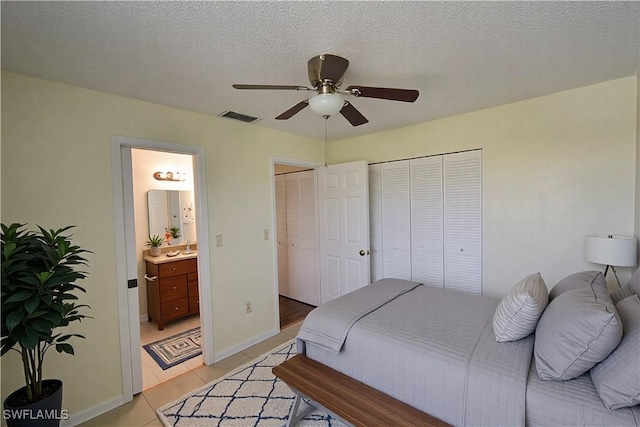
(362, 252)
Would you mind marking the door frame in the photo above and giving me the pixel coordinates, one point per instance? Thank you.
(274, 226)
(128, 312)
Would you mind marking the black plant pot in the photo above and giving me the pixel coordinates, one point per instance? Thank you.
(43, 413)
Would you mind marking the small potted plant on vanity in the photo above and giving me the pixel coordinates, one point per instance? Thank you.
(175, 232)
(154, 244)
(39, 271)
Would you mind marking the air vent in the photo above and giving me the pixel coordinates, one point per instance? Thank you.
(238, 116)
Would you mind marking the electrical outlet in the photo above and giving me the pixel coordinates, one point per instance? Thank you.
(218, 240)
(248, 307)
(266, 234)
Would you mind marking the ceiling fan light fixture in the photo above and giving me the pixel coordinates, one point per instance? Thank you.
(326, 104)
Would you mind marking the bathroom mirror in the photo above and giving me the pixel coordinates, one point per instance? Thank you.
(171, 209)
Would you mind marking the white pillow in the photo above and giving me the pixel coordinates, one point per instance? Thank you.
(617, 378)
(519, 311)
(631, 288)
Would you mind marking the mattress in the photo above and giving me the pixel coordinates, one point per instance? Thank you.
(435, 350)
(572, 403)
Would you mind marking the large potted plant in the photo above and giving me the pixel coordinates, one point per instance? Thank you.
(39, 271)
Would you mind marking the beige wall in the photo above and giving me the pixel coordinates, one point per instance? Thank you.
(637, 234)
(56, 171)
(144, 164)
(555, 168)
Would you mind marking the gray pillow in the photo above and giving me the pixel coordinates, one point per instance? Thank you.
(519, 311)
(617, 378)
(631, 288)
(578, 329)
(579, 280)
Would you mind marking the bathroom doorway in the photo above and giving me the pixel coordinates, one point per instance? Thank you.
(127, 251)
(164, 211)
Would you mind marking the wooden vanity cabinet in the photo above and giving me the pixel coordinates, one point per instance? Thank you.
(172, 290)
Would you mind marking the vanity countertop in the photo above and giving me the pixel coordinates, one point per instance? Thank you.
(164, 258)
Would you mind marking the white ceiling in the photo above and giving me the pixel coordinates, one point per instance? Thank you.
(461, 56)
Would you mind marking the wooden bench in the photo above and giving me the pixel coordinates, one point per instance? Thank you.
(348, 399)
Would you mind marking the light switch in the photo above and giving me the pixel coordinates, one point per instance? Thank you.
(218, 240)
(266, 234)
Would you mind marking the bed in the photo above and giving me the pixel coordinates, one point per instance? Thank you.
(436, 350)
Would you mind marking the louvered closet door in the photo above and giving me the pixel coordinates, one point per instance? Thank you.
(427, 222)
(281, 235)
(396, 220)
(463, 221)
(375, 221)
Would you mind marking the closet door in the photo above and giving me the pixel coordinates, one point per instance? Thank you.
(307, 280)
(463, 221)
(281, 235)
(375, 221)
(292, 202)
(396, 220)
(344, 228)
(427, 222)
(302, 237)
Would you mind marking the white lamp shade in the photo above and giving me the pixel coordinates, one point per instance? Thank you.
(617, 251)
(327, 104)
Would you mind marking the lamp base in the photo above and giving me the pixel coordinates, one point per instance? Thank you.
(614, 273)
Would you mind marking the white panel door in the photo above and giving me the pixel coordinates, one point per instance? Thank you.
(427, 222)
(302, 239)
(375, 222)
(281, 236)
(396, 220)
(292, 206)
(307, 281)
(292, 203)
(344, 228)
(132, 270)
(463, 221)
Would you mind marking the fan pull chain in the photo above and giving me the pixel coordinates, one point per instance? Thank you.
(326, 144)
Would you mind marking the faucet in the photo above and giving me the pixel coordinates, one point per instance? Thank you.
(187, 250)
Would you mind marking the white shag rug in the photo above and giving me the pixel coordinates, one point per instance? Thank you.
(248, 396)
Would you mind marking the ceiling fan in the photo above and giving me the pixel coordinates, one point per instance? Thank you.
(325, 74)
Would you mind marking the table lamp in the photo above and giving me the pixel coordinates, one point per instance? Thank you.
(612, 251)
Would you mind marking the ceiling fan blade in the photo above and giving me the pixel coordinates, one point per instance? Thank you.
(405, 95)
(354, 116)
(293, 110)
(326, 67)
(271, 87)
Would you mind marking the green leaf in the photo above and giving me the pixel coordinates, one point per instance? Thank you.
(19, 296)
(66, 348)
(66, 337)
(32, 304)
(14, 319)
(7, 344)
(36, 314)
(29, 340)
(44, 276)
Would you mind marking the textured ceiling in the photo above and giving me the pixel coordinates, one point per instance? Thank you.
(461, 56)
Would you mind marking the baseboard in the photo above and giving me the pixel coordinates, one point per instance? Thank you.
(144, 318)
(83, 416)
(244, 345)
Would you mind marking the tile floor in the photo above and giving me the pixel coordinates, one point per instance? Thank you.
(152, 374)
(142, 410)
